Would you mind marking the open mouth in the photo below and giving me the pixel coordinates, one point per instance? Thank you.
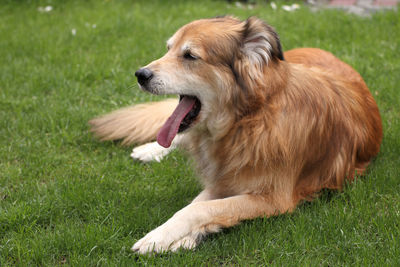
(181, 119)
(191, 115)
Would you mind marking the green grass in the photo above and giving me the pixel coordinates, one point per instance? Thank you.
(66, 198)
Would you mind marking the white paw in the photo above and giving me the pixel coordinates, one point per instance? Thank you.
(158, 241)
(155, 241)
(149, 152)
(187, 242)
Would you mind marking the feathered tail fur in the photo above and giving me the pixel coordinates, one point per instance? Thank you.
(133, 125)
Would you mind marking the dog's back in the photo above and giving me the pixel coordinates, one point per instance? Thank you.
(314, 57)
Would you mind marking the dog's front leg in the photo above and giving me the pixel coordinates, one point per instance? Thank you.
(203, 217)
(204, 196)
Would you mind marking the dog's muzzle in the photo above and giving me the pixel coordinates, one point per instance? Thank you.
(144, 75)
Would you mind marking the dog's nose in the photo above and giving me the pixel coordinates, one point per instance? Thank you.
(143, 75)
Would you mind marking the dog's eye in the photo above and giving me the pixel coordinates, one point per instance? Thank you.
(189, 56)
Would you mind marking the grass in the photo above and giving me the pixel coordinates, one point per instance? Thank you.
(67, 199)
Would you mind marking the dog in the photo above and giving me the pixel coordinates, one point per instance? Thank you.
(267, 129)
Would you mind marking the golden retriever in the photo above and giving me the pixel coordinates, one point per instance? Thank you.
(266, 129)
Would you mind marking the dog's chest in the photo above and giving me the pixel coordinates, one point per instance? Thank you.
(206, 163)
(201, 150)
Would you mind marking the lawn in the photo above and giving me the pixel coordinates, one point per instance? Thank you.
(67, 199)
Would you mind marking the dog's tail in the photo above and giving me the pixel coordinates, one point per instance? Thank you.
(136, 124)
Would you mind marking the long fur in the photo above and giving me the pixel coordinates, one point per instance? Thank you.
(134, 125)
(271, 132)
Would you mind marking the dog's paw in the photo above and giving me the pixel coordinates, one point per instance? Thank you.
(149, 152)
(155, 241)
(187, 242)
(160, 240)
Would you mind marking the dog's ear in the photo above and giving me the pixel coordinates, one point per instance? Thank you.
(259, 48)
(260, 43)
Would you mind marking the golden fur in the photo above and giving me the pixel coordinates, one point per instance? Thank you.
(135, 125)
(270, 133)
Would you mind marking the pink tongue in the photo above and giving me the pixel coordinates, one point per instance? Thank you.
(171, 126)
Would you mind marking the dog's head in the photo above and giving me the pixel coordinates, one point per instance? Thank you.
(213, 64)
